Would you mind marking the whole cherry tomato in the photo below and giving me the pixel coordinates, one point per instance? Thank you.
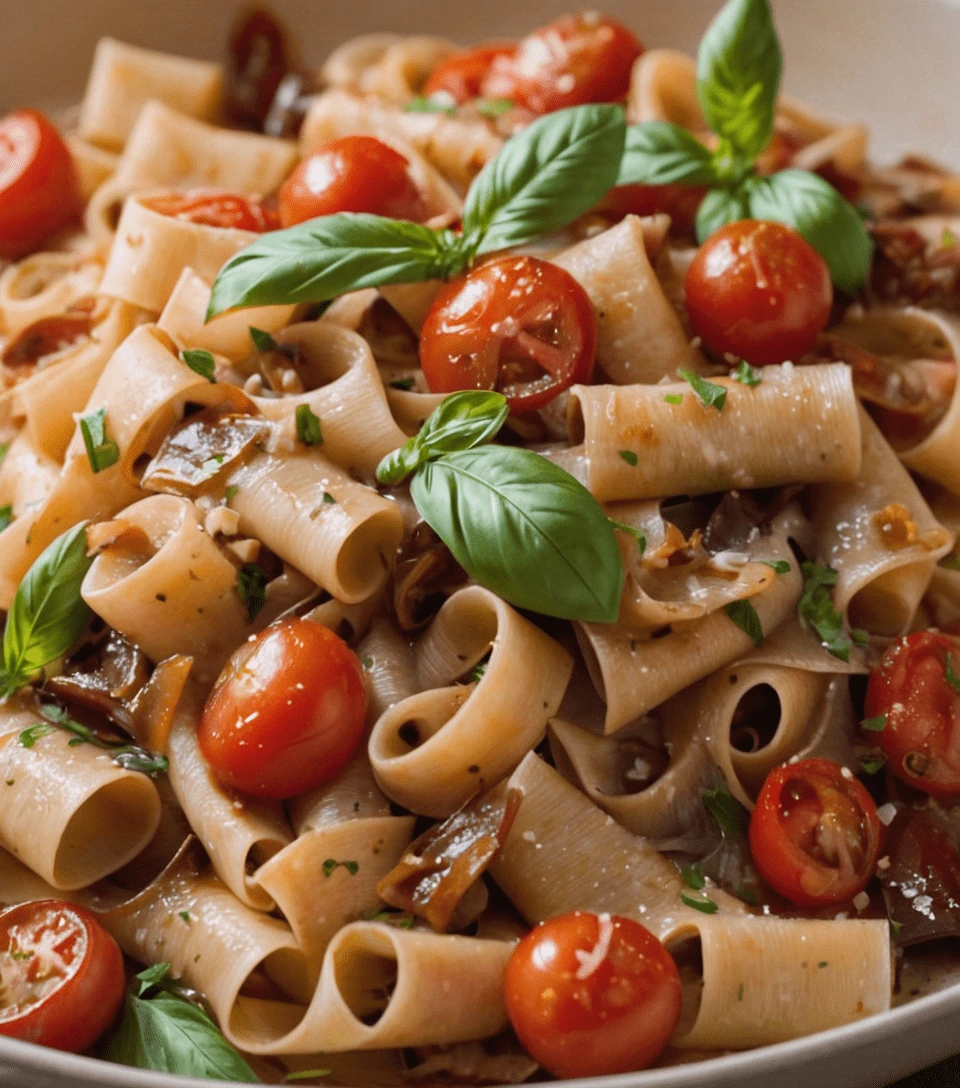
(814, 834)
(758, 291)
(62, 972)
(519, 325)
(351, 174)
(576, 59)
(592, 994)
(287, 712)
(921, 708)
(212, 208)
(461, 75)
(39, 190)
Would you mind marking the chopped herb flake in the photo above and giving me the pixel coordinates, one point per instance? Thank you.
(18, 954)
(493, 107)
(817, 611)
(711, 395)
(731, 817)
(822, 963)
(262, 341)
(200, 362)
(185, 915)
(948, 239)
(420, 104)
(872, 764)
(860, 637)
(306, 1074)
(29, 737)
(403, 383)
(705, 906)
(744, 615)
(328, 498)
(252, 587)
(780, 566)
(875, 725)
(949, 675)
(630, 457)
(102, 451)
(308, 426)
(745, 374)
(740, 992)
(231, 493)
(692, 876)
(673, 398)
(331, 864)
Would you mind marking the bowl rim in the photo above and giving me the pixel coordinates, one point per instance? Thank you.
(22, 1057)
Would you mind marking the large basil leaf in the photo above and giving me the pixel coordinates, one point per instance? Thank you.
(326, 257)
(829, 223)
(525, 529)
(170, 1035)
(659, 153)
(718, 208)
(738, 75)
(48, 614)
(545, 177)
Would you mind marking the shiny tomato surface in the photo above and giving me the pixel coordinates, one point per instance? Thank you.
(62, 980)
(351, 174)
(212, 208)
(576, 59)
(287, 712)
(39, 190)
(921, 707)
(519, 325)
(814, 834)
(461, 76)
(592, 994)
(758, 291)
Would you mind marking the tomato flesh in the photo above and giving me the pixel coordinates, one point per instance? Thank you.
(758, 291)
(39, 190)
(519, 325)
(351, 174)
(287, 712)
(921, 737)
(814, 834)
(589, 995)
(212, 208)
(462, 75)
(61, 975)
(576, 59)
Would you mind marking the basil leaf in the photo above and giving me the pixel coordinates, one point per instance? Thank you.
(102, 451)
(327, 257)
(200, 362)
(545, 177)
(525, 529)
(252, 588)
(308, 426)
(718, 208)
(744, 615)
(704, 905)
(829, 223)
(169, 1034)
(745, 374)
(710, 394)
(659, 153)
(48, 614)
(738, 75)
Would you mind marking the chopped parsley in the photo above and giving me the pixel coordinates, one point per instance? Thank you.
(704, 905)
(102, 451)
(185, 915)
(731, 817)
(29, 736)
(744, 615)
(740, 992)
(420, 104)
(252, 587)
(872, 764)
(231, 493)
(745, 374)
(692, 876)
(673, 398)
(475, 675)
(822, 963)
(200, 362)
(859, 636)
(711, 395)
(630, 457)
(817, 611)
(875, 725)
(366, 662)
(262, 341)
(18, 954)
(780, 566)
(308, 426)
(328, 498)
(332, 864)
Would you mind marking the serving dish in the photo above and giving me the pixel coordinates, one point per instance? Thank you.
(858, 61)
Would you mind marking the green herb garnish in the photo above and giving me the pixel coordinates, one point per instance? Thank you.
(705, 906)
(102, 451)
(744, 615)
(711, 395)
(252, 588)
(331, 864)
(745, 374)
(308, 426)
(200, 362)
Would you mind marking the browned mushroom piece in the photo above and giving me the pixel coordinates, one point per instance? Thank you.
(46, 337)
(425, 574)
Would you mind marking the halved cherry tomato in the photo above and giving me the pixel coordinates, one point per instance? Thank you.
(39, 190)
(589, 995)
(680, 202)
(921, 737)
(576, 59)
(758, 291)
(61, 975)
(287, 712)
(461, 75)
(519, 325)
(351, 174)
(212, 208)
(814, 834)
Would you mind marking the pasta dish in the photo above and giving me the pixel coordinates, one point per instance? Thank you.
(477, 541)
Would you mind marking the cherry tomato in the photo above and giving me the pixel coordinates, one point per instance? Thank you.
(461, 75)
(577, 59)
(39, 190)
(519, 325)
(287, 712)
(814, 834)
(758, 291)
(351, 174)
(62, 975)
(589, 995)
(212, 208)
(680, 202)
(921, 737)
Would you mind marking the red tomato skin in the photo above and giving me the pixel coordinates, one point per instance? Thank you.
(215, 208)
(351, 174)
(615, 1021)
(78, 1011)
(758, 291)
(39, 190)
(922, 711)
(680, 202)
(467, 328)
(784, 864)
(462, 75)
(575, 60)
(287, 713)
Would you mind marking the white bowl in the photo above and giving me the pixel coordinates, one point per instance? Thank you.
(889, 63)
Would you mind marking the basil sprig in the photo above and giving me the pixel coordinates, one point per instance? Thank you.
(738, 78)
(162, 1030)
(541, 180)
(48, 614)
(517, 523)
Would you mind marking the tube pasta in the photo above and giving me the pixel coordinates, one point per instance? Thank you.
(94, 165)
(663, 87)
(880, 536)
(45, 284)
(392, 67)
(471, 735)
(690, 448)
